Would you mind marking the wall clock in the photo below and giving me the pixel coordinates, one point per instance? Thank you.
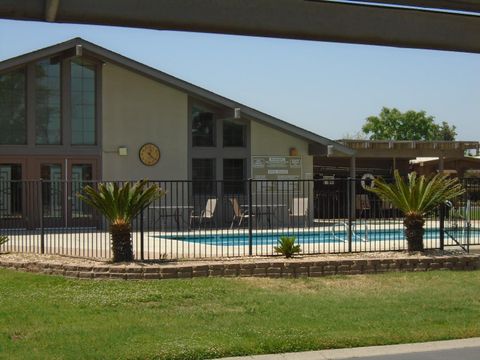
(149, 154)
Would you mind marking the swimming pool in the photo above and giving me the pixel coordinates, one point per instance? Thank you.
(309, 237)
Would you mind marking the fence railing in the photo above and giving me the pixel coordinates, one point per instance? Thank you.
(197, 219)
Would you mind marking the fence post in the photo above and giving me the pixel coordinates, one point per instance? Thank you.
(349, 211)
(442, 226)
(250, 212)
(141, 236)
(42, 228)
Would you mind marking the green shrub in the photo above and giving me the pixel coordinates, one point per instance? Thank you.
(3, 239)
(286, 246)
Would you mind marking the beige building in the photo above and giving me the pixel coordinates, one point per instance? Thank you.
(78, 110)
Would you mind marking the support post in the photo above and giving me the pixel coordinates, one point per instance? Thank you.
(442, 226)
(351, 199)
(250, 212)
(42, 227)
(142, 245)
(349, 223)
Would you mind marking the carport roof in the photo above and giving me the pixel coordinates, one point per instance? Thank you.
(78, 46)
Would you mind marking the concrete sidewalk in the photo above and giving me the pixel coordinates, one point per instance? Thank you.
(431, 350)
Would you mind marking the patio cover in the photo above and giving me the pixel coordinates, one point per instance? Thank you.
(429, 24)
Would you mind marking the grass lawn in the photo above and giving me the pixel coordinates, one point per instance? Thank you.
(44, 317)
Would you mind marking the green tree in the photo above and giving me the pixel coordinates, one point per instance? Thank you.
(392, 124)
(120, 204)
(416, 198)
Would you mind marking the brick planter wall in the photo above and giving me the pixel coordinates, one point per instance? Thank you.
(262, 268)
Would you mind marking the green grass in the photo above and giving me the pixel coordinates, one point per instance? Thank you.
(43, 317)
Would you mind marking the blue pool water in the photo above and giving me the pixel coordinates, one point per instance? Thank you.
(308, 237)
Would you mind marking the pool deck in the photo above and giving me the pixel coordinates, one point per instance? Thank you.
(161, 245)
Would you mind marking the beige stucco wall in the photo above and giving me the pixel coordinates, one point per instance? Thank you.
(137, 110)
(268, 141)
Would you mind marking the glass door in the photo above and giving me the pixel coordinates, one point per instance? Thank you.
(53, 186)
(80, 174)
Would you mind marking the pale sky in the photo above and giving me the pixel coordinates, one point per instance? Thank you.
(327, 88)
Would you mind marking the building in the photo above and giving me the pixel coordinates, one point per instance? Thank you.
(78, 112)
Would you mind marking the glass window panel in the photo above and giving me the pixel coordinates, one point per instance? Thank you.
(203, 128)
(203, 175)
(10, 190)
(83, 103)
(12, 108)
(234, 176)
(52, 189)
(234, 133)
(47, 103)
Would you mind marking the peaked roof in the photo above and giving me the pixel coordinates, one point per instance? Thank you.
(113, 57)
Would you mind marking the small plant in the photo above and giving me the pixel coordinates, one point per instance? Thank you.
(3, 239)
(286, 246)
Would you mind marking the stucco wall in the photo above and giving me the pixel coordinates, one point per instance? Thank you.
(137, 110)
(268, 141)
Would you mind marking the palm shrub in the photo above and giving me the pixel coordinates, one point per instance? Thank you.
(120, 204)
(286, 246)
(416, 198)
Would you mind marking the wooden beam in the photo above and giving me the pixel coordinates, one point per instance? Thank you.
(51, 8)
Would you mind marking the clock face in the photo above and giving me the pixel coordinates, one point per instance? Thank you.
(149, 154)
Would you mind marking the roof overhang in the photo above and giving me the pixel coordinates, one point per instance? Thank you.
(351, 22)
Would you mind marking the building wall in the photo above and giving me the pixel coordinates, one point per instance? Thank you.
(268, 141)
(137, 110)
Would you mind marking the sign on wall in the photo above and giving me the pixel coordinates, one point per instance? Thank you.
(277, 170)
(276, 167)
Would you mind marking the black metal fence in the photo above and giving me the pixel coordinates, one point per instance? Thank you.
(197, 219)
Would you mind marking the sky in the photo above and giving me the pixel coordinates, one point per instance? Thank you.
(327, 88)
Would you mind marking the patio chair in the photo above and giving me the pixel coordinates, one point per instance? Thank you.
(362, 204)
(238, 213)
(299, 208)
(207, 214)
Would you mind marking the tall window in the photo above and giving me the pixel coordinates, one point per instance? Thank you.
(203, 128)
(203, 175)
(234, 133)
(234, 176)
(47, 103)
(83, 102)
(13, 126)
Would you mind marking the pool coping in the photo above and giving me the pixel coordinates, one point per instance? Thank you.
(260, 268)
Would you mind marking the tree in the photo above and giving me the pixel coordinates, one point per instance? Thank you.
(392, 124)
(120, 204)
(416, 199)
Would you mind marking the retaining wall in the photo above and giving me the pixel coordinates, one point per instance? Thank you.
(262, 268)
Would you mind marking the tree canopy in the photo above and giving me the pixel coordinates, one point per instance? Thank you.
(392, 124)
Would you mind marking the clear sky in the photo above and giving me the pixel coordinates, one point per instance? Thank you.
(327, 88)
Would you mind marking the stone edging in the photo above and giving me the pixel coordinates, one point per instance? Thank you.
(262, 268)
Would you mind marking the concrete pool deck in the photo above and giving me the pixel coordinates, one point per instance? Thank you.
(160, 245)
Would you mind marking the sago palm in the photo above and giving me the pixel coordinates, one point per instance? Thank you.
(120, 204)
(416, 198)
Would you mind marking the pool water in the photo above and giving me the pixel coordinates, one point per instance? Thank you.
(309, 237)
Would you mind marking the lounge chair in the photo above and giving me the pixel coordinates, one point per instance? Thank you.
(238, 214)
(207, 214)
(299, 208)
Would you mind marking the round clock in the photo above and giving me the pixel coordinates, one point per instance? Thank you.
(149, 154)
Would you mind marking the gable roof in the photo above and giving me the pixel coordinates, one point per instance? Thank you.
(196, 91)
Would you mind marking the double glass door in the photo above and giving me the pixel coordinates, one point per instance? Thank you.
(62, 181)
